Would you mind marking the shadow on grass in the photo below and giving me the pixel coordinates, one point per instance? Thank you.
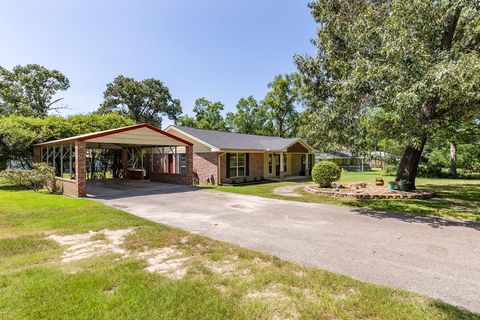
(456, 313)
(435, 222)
(462, 192)
(9, 187)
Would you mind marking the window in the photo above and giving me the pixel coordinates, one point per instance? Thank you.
(182, 163)
(237, 165)
(270, 163)
(284, 162)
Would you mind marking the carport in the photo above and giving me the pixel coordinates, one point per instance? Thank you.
(137, 152)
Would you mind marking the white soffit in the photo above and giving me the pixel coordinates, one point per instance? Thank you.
(140, 136)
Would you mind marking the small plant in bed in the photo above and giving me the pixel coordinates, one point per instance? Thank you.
(325, 172)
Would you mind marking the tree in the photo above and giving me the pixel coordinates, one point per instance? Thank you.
(18, 134)
(250, 118)
(29, 90)
(281, 104)
(418, 61)
(207, 116)
(142, 101)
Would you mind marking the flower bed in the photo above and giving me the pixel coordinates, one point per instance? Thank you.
(370, 192)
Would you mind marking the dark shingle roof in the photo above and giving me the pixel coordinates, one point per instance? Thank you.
(230, 140)
(334, 155)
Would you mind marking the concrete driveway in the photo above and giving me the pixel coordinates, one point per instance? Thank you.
(432, 256)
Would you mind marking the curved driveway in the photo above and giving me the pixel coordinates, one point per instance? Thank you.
(432, 256)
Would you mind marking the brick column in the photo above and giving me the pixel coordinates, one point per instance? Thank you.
(189, 164)
(37, 157)
(81, 168)
(124, 162)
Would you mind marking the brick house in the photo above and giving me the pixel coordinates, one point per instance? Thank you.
(224, 157)
(146, 152)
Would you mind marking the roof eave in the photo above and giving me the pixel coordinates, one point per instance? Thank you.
(214, 148)
(88, 137)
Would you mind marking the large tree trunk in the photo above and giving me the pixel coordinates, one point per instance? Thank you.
(408, 167)
(453, 159)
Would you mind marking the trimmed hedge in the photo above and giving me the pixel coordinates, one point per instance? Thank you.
(325, 172)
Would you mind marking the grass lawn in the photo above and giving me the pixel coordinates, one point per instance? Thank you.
(51, 268)
(456, 198)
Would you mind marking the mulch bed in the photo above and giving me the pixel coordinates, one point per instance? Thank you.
(370, 192)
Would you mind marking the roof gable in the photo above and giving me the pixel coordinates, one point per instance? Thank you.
(141, 134)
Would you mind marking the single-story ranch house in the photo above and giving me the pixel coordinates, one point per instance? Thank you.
(224, 157)
(175, 155)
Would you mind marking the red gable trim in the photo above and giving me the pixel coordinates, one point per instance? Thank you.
(114, 131)
(137, 126)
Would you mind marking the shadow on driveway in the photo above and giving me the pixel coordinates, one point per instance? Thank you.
(434, 222)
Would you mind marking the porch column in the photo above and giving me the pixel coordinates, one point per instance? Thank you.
(189, 165)
(307, 165)
(81, 168)
(282, 173)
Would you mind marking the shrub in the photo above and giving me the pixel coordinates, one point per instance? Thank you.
(34, 179)
(430, 170)
(325, 172)
(390, 170)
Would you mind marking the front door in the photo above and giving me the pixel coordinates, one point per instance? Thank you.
(277, 165)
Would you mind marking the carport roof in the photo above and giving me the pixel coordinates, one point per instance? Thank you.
(137, 134)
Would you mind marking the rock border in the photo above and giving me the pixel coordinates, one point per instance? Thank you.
(388, 194)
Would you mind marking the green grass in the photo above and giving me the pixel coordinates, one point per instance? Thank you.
(36, 284)
(455, 198)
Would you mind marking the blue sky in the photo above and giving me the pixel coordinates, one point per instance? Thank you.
(222, 50)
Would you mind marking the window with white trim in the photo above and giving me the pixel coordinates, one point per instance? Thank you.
(237, 165)
(181, 163)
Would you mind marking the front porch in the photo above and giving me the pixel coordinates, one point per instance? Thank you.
(252, 167)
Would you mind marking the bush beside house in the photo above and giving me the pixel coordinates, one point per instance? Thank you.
(325, 172)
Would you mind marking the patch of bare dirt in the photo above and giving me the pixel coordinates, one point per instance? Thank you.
(288, 191)
(170, 261)
(93, 243)
(167, 261)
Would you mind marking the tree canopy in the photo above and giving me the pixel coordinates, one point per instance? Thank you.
(18, 133)
(416, 63)
(29, 90)
(142, 101)
(250, 117)
(281, 104)
(207, 115)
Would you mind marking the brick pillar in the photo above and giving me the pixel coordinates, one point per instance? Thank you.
(124, 162)
(37, 156)
(81, 168)
(189, 160)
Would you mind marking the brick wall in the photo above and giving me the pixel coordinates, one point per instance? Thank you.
(68, 187)
(297, 147)
(296, 164)
(81, 168)
(169, 177)
(189, 164)
(256, 168)
(256, 165)
(205, 166)
(37, 157)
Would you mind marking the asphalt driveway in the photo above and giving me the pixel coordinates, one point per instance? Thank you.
(432, 256)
